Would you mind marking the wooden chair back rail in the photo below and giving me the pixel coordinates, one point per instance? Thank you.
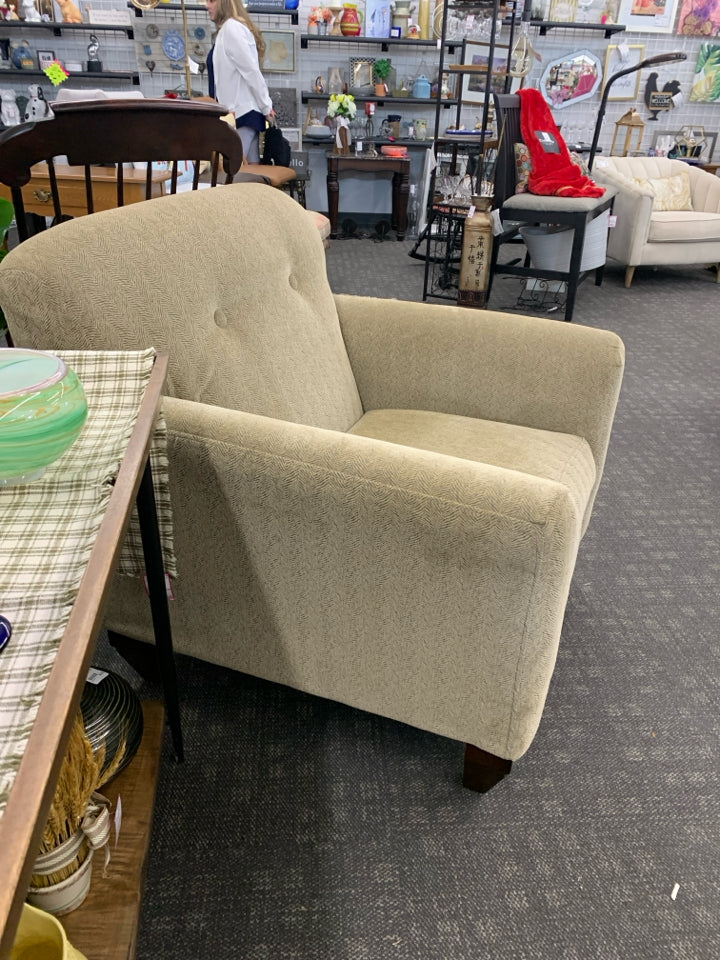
(507, 111)
(114, 132)
(53, 189)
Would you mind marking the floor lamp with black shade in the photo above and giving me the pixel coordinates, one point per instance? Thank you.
(648, 62)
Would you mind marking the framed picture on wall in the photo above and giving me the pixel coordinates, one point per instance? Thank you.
(706, 81)
(279, 51)
(45, 58)
(699, 19)
(626, 88)
(378, 18)
(361, 74)
(285, 104)
(648, 16)
(473, 84)
(706, 147)
(294, 137)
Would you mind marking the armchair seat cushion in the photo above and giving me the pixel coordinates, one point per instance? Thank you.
(560, 457)
(686, 226)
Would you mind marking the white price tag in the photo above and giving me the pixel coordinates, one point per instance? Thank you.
(612, 221)
(168, 586)
(118, 818)
(96, 676)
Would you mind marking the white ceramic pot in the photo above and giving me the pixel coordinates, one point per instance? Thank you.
(60, 898)
(550, 247)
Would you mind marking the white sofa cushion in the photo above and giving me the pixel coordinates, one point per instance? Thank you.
(687, 226)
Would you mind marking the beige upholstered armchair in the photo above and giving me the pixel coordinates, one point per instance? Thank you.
(376, 501)
(668, 212)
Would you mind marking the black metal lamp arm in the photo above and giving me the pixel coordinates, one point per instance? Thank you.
(648, 62)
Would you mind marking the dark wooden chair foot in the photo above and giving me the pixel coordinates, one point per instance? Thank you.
(483, 770)
(141, 656)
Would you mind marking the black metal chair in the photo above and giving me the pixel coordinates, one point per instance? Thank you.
(525, 209)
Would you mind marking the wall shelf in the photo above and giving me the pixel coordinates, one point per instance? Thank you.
(308, 95)
(97, 76)
(383, 42)
(253, 9)
(607, 28)
(58, 27)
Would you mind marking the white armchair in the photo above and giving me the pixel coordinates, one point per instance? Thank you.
(645, 234)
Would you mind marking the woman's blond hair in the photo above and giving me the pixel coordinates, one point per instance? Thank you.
(235, 10)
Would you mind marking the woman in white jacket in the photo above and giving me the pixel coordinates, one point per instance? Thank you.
(234, 72)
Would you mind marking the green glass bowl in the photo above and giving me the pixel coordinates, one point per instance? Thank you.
(42, 411)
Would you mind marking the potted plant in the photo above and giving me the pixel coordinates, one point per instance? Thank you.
(78, 824)
(381, 71)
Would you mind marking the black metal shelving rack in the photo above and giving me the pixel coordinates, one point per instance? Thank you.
(442, 236)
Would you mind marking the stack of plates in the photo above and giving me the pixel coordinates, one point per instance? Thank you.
(113, 719)
(452, 132)
(318, 133)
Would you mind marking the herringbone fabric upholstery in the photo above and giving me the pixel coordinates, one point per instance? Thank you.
(240, 334)
(419, 571)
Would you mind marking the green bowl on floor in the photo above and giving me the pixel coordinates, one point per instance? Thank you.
(42, 412)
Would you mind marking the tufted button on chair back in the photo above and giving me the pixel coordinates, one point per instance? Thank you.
(270, 344)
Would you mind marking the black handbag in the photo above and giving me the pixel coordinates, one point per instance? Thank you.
(276, 149)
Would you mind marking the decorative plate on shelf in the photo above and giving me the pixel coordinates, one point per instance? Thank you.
(173, 45)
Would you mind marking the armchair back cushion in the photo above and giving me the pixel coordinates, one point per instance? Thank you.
(251, 345)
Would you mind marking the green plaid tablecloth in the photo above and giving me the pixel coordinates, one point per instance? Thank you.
(48, 529)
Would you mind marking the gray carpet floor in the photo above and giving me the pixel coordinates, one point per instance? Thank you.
(299, 829)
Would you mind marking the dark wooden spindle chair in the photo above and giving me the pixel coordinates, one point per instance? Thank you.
(93, 133)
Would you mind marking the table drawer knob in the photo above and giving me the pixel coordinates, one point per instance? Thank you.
(44, 196)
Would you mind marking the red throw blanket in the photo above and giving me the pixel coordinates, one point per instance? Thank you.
(553, 172)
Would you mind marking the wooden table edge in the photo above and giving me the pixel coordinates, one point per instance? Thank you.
(23, 819)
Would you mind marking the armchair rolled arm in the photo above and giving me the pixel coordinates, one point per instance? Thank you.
(633, 208)
(339, 553)
(282, 450)
(529, 371)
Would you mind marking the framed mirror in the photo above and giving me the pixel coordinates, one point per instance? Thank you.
(571, 78)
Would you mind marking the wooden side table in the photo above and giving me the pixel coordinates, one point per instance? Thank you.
(25, 813)
(399, 167)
